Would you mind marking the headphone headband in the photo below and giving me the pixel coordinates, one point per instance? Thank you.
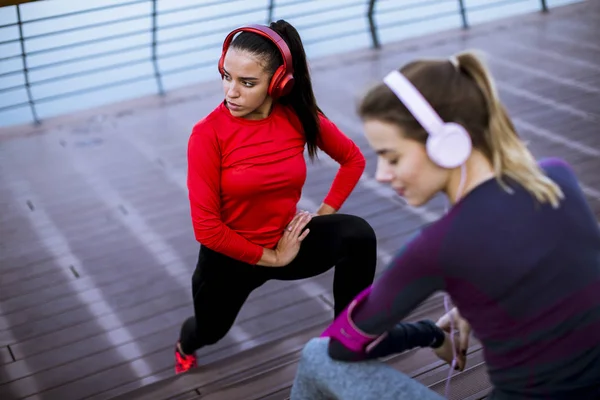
(418, 106)
(283, 79)
(449, 144)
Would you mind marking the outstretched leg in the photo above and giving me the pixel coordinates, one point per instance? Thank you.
(220, 286)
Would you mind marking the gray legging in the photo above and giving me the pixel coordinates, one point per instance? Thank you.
(321, 378)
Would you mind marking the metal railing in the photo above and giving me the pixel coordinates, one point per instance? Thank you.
(25, 71)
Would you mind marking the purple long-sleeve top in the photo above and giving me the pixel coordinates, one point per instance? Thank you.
(524, 274)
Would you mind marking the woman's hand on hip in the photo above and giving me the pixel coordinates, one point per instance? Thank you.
(289, 245)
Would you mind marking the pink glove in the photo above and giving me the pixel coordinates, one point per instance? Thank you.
(344, 330)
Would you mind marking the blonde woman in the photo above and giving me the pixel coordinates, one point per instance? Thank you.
(518, 251)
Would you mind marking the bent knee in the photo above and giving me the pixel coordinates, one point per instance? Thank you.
(358, 227)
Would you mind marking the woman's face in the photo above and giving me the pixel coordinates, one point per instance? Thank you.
(404, 164)
(245, 85)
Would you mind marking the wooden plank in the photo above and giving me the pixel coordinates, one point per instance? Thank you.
(118, 249)
(230, 365)
(257, 387)
(473, 382)
(5, 356)
(98, 226)
(106, 370)
(98, 271)
(78, 323)
(283, 394)
(65, 312)
(567, 49)
(187, 396)
(37, 262)
(241, 367)
(107, 235)
(32, 279)
(482, 395)
(77, 334)
(56, 299)
(63, 354)
(140, 385)
(63, 345)
(115, 264)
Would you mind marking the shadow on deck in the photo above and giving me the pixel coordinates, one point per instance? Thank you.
(97, 249)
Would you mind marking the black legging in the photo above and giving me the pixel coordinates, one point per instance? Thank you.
(221, 285)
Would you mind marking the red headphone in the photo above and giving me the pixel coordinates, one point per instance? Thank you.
(283, 78)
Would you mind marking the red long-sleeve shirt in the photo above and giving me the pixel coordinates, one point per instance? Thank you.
(245, 178)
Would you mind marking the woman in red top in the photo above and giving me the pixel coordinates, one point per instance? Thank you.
(246, 170)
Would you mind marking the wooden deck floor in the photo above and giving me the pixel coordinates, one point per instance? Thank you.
(96, 249)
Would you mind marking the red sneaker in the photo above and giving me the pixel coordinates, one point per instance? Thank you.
(184, 363)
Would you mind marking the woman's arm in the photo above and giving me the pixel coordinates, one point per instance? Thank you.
(412, 277)
(325, 209)
(204, 178)
(352, 164)
(406, 336)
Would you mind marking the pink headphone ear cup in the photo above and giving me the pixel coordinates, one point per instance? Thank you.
(451, 147)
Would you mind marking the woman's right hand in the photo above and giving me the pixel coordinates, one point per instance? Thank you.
(448, 350)
(289, 245)
(454, 319)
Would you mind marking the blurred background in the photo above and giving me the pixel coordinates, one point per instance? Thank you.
(81, 54)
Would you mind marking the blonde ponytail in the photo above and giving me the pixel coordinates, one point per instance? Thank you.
(509, 155)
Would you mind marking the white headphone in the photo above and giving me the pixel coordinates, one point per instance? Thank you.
(449, 144)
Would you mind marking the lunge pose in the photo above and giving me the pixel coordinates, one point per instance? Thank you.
(245, 178)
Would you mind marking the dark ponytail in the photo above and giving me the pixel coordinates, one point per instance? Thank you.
(301, 98)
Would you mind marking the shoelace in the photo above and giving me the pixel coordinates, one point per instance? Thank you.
(461, 188)
(447, 307)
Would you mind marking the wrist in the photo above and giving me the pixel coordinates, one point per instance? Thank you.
(269, 258)
(438, 335)
(344, 330)
(326, 209)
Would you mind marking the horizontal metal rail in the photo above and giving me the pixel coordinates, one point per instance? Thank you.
(150, 39)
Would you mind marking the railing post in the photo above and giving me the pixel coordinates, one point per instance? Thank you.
(271, 11)
(154, 48)
(25, 69)
(463, 13)
(544, 6)
(372, 25)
